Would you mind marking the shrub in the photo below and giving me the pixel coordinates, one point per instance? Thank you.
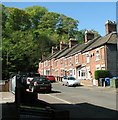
(102, 74)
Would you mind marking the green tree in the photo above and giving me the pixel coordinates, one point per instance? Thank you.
(67, 27)
(29, 34)
(48, 22)
(17, 19)
(36, 13)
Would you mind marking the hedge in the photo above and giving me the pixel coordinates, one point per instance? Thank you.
(101, 74)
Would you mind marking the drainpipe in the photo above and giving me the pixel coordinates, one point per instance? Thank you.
(106, 58)
(117, 57)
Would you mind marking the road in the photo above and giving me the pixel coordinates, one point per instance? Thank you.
(78, 102)
(82, 101)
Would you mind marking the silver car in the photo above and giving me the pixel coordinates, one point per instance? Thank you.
(70, 81)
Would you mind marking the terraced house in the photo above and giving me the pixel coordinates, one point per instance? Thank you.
(81, 61)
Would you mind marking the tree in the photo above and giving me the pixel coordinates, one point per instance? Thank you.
(36, 13)
(48, 22)
(17, 19)
(67, 27)
(29, 34)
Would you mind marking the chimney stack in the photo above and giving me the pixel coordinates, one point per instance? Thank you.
(54, 49)
(110, 27)
(62, 45)
(72, 42)
(89, 35)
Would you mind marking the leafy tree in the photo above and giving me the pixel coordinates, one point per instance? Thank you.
(17, 19)
(36, 13)
(19, 50)
(29, 34)
(3, 15)
(67, 27)
(48, 21)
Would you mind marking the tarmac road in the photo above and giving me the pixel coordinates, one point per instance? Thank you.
(83, 101)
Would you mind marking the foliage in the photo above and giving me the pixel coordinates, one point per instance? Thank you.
(17, 19)
(29, 34)
(36, 13)
(102, 74)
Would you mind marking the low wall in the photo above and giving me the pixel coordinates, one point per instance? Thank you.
(4, 87)
(89, 82)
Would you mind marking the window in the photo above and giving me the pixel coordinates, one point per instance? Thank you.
(76, 59)
(65, 62)
(103, 67)
(61, 61)
(97, 55)
(87, 58)
(56, 63)
(83, 73)
(70, 60)
(97, 67)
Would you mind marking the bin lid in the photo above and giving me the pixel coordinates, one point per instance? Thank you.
(116, 77)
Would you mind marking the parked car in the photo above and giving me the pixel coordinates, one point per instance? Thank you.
(39, 84)
(51, 78)
(70, 81)
(30, 77)
(64, 77)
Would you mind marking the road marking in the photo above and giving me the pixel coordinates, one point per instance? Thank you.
(60, 99)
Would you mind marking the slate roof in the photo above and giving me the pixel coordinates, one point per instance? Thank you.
(66, 52)
(108, 39)
(81, 47)
(91, 44)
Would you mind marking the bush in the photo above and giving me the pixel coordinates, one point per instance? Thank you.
(102, 74)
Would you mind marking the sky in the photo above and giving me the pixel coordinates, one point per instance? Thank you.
(91, 15)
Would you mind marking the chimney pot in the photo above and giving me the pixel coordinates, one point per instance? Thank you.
(72, 42)
(89, 35)
(110, 26)
(54, 49)
(62, 45)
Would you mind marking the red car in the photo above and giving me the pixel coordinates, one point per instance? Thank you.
(51, 78)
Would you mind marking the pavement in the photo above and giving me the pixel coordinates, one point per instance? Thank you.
(107, 89)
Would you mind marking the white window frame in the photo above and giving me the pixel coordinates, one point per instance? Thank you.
(98, 67)
(103, 67)
(97, 54)
(87, 57)
(56, 62)
(70, 60)
(76, 59)
(65, 61)
(61, 61)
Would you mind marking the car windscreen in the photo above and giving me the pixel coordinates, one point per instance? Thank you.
(71, 78)
(65, 77)
(41, 79)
